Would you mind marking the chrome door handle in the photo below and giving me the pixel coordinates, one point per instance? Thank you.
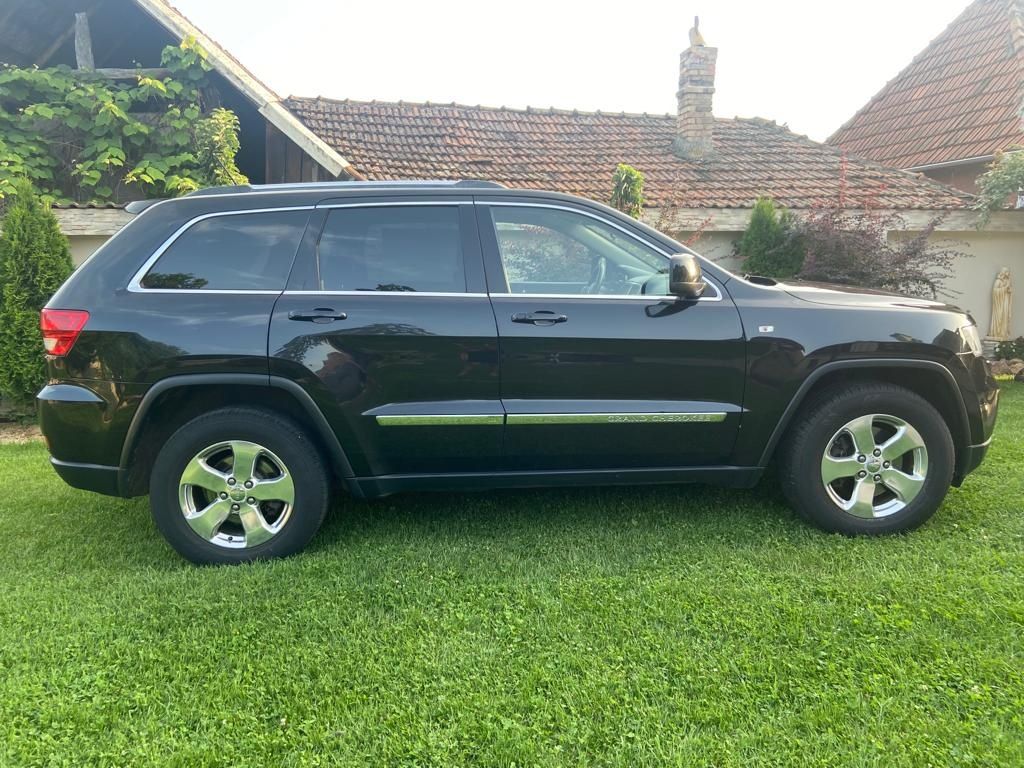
(540, 317)
(318, 315)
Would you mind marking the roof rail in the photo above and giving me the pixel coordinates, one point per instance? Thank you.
(341, 185)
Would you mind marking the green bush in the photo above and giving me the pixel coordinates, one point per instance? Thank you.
(628, 190)
(769, 245)
(34, 261)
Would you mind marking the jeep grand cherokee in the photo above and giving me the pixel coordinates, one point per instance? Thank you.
(240, 352)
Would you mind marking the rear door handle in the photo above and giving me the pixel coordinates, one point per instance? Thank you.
(540, 317)
(318, 315)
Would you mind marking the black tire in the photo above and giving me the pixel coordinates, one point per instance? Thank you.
(284, 439)
(805, 443)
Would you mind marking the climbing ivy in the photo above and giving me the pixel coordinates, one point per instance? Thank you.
(1001, 182)
(80, 137)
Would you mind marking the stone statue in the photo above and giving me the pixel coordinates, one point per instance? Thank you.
(1002, 298)
(696, 38)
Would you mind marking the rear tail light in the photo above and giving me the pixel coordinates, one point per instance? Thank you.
(60, 329)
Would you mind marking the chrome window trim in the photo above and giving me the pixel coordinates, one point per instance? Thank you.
(718, 291)
(427, 294)
(650, 298)
(135, 284)
(392, 204)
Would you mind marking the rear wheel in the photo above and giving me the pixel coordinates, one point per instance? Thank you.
(236, 485)
(867, 459)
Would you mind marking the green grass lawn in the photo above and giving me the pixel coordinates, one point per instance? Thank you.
(683, 626)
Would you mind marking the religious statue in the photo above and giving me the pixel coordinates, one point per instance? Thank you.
(1002, 299)
(696, 38)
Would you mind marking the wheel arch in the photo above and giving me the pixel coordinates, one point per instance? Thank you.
(932, 380)
(173, 401)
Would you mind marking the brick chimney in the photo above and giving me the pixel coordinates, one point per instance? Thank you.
(694, 121)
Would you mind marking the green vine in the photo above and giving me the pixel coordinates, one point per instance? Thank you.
(79, 137)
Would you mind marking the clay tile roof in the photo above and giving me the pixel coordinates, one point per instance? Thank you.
(576, 152)
(960, 98)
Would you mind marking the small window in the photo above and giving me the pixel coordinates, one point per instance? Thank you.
(554, 251)
(392, 248)
(247, 252)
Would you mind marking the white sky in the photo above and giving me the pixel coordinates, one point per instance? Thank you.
(808, 64)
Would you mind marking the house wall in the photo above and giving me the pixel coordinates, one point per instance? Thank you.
(286, 162)
(988, 252)
(960, 176)
(83, 246)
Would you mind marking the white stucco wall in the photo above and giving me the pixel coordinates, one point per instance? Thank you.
(989, 252)
(82, 246)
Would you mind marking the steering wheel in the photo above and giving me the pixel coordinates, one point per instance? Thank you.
(598, 270)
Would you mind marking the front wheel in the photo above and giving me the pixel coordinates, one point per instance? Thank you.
(867, 458)
(236, 485)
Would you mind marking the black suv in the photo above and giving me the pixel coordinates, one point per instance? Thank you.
(239, 352)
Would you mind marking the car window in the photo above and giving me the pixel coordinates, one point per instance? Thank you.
(555, 251)
(392, 248)
(249, 251)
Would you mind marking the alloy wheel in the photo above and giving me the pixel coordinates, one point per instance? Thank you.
(236, 494)
(874, 466)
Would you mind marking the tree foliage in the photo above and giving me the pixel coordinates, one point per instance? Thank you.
(628, 190)
(78, 136)
(34, 261)
(769, 245)
(1002, 181)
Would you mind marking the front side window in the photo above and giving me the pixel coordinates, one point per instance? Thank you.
(247, 251)
(392, 248)
(554, 251)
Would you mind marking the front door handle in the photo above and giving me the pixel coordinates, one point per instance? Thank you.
(318, 315)
(540, 317)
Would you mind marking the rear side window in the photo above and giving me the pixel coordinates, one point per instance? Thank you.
(247, 251)
(393, 248)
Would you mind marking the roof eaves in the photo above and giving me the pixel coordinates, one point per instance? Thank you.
(267, 102)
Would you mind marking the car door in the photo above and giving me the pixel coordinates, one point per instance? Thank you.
(600, 369)
(386, 323)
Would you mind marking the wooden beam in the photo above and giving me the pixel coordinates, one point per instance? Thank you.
(83, 42)
(115, 73)
(46, 55)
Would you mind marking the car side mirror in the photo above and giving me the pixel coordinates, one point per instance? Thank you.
(684, 276)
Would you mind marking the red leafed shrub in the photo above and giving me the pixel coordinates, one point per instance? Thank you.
(874, 249)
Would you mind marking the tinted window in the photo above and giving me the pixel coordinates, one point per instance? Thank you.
(250, 251)
(549, 251)
(397, 248)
